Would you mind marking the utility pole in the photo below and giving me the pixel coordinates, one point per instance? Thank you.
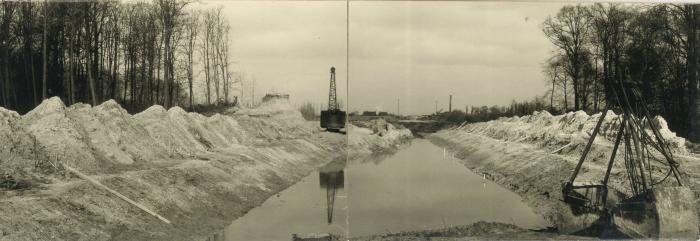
(450, 106)
(253, 91)
(436, 107)
(398, 107)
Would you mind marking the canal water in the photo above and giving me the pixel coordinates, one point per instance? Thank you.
(417, 188)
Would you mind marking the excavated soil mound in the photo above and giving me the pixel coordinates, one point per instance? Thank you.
(375, 136)
(544, 128)
(533, 155)
(199, 172)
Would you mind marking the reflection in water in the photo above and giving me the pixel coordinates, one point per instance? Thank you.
(414, 188)
(331, 181)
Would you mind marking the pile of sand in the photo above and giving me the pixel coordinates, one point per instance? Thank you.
(275, 115)
(16, 145)
(60, 135)
(199, 172)
(534, 155)
(8, 127)
(106, 138)
(573, 127)
(376, 135)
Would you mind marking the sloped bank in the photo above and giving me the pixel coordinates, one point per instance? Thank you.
(374, 136)
(198, 172)
(533, 155)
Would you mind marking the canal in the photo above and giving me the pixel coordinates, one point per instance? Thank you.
(418, 187)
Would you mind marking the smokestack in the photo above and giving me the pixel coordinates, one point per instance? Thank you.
(450, 108)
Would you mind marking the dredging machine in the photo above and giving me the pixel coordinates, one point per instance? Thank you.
(652, 200)
(333, 119)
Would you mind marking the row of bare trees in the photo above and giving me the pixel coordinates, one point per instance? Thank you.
(140, 53)
(653, 47)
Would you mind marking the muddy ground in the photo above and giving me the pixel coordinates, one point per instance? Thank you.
(475, 231)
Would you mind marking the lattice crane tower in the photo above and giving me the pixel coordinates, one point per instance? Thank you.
(332, 102)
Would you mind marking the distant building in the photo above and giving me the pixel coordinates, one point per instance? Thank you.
(375, 113)
(369, 113)
(272, 96)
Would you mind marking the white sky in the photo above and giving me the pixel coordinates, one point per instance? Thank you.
(288, 46)
(484, 53)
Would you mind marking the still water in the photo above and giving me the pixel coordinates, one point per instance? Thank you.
(419, 187)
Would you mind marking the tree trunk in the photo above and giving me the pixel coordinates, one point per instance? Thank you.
(551, 96)
(566, 98)
(166, 69)
(576, 81)
(4, 50)
(143, 78)
(190, 75)
(71, 72)
(692, 73)
(91, 82)
(115, 67)
(127, 66)
(44, 54)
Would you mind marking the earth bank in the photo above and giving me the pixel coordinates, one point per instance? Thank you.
(476, 231)
(533, 155)
(198, 172)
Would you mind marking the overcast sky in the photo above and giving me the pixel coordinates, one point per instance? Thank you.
(484, 53)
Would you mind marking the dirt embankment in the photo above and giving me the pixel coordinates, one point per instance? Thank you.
(199, 172)
(374, 136)
(533, 155)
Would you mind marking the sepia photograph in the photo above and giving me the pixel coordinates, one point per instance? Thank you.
(340, 120)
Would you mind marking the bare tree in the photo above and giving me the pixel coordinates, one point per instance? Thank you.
(44, 54)
(192, 29)
(169, 13)
(568, 30)
(551, 70)
(205, 51)
(609, 24)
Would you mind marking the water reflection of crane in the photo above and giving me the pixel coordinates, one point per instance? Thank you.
(331, 177)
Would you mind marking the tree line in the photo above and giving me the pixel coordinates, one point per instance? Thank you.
(140, 53)
(487, 113)
(653, 48)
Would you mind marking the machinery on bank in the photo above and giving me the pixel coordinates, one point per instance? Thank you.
(333, 119)
(656, 203)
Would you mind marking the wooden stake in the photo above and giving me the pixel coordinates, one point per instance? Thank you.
(562, 148)
(100, 185)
